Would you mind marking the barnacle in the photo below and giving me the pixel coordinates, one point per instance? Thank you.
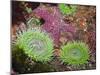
(36, 44)
(75, 53)
(67, 9)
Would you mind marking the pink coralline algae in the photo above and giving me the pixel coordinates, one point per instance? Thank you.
(54, 23)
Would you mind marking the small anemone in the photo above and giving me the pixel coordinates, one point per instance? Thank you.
(36, 44)
(67, 9)
(33, 21)
(75, 53)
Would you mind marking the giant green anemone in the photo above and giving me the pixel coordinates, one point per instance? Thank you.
(36, 44)
(75, 53)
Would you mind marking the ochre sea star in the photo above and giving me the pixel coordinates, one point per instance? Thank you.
(54, 23)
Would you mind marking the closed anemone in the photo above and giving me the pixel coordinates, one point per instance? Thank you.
(36, 44)
(75, 53)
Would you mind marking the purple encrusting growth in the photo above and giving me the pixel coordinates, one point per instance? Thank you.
(54, 23)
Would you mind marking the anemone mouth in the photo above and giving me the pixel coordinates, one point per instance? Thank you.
(36, 44)
(75, 53)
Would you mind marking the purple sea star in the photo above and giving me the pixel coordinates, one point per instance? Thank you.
(54, 23)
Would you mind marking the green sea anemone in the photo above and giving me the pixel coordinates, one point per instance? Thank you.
(33, 21)
(36, 44)
(75, 53)
(67, 9)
